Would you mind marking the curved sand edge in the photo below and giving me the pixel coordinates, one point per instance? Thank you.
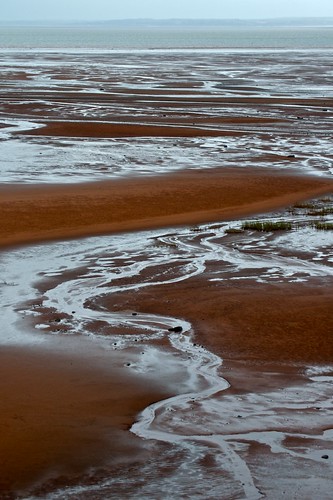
(49, 389)
(32, 214)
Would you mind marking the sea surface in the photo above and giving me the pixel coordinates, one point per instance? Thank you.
(108, 38)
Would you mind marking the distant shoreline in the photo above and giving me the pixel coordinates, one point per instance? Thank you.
(182, 23)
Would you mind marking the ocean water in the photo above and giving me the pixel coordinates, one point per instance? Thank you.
(108, 38)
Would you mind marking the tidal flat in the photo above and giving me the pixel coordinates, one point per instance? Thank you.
(155, 343)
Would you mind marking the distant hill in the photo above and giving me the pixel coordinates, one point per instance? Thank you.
(186, 23)
(306, 21)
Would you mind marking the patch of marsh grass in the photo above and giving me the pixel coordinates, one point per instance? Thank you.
(323, 226)
(234, 230)
(267, 226)
(320, 212)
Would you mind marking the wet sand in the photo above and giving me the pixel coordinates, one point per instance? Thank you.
(56, 409)
(64, 412)
(30, 214)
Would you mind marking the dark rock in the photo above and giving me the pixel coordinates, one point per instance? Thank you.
(325, 457)
(176, 329)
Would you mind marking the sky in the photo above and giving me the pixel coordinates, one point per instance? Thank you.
(62, 10)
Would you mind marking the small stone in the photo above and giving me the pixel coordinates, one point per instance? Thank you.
(176, 329)
(134, 314)
(325, 457)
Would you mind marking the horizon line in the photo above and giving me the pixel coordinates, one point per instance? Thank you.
(164, 19)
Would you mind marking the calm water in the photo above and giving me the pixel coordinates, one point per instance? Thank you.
(108, 38)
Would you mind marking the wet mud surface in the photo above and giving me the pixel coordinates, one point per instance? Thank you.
(185, 359)
(80, 110)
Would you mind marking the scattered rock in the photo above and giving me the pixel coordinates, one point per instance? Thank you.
(134, 314)
(325, 457)
(176, 329)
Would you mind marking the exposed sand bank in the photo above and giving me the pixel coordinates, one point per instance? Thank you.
(29, 214)
(64, 409)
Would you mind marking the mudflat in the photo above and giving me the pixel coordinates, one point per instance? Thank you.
(67, 402)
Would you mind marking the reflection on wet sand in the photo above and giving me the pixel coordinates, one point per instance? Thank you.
(107, 289)
(209, 342)
(259, 111)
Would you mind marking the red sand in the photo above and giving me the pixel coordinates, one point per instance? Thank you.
(45, 390)
(30, 214)
(64, 411)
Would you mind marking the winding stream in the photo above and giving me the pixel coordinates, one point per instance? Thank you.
(205, 433)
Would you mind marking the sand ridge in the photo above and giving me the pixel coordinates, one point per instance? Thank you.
(29, 214)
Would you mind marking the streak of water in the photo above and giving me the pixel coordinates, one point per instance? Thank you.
(207, 431)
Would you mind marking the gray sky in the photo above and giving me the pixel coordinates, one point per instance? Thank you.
(159, 9)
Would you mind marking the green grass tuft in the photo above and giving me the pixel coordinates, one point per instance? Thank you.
(234, 230)
(267, 226)
(323, 226)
